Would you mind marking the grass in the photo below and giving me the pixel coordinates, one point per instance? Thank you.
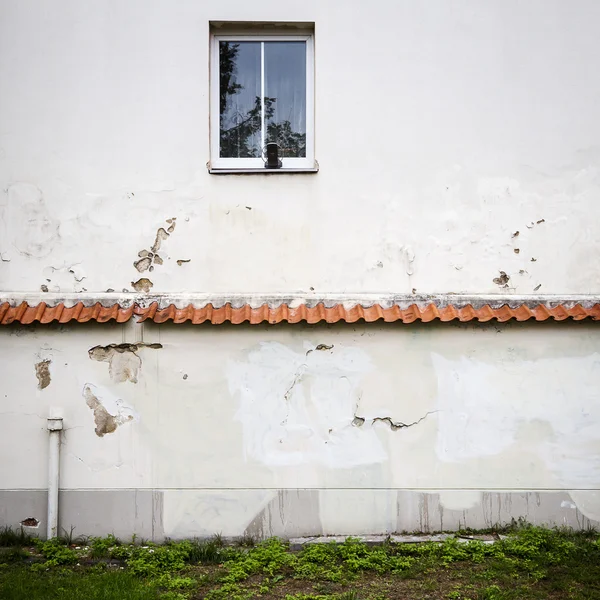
(10, 537)
(19, 583)
(529, 563)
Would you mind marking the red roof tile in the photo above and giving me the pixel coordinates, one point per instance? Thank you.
(255, 310)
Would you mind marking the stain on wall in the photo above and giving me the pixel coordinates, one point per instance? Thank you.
(42, 372)
(35, 231)
(123, 359)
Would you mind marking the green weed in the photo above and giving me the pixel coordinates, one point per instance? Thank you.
(101, 547)
(11, 537)
(56, 553)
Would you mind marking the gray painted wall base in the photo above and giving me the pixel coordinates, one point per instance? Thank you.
(292, 513)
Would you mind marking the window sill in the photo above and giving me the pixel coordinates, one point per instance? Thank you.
(263, 171)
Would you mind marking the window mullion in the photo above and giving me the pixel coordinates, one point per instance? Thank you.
(262, 97)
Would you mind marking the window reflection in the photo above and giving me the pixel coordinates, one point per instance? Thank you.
(239, 99)
(283, 109)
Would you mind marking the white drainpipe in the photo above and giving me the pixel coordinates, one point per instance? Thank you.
(55, 425)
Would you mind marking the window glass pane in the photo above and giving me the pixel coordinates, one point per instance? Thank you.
(239, 99)
(285, 96)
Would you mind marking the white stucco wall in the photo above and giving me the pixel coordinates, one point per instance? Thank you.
(221, 421)
(455, 139)
(442, 128)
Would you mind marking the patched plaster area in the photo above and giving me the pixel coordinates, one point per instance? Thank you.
(549, 407)
(298, 407)
(109, 411)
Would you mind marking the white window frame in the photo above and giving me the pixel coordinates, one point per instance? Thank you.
(288, 163)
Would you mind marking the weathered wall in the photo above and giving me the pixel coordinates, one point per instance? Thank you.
(456, 140)
(442, 128)
(302, 430)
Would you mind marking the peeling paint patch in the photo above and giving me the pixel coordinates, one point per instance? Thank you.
(109, 411)
(142, 285)
(181, 261)
(143, 264)
(502, 280)
(147, 257)
(161, 235)
(66, 278)
(324, 347)
(42, 372)
(124, 362)
(30, 522)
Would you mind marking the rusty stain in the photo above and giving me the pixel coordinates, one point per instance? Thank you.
(516, 250)
(142, 285)
(421, 310)
(324, 347)
(105, 422)
(123, 360)
(183, 260)
(515, 234)
(30, 522)
(502, 280)
(42, 372)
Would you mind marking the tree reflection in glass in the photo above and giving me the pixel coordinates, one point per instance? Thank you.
(247, 70)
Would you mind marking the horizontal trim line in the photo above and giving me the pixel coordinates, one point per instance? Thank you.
(274, 308)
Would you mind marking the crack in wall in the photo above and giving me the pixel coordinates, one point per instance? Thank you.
(288, 394)
(297, 376)
(358, 421)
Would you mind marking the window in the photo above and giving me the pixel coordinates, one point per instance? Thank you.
(261, 92)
